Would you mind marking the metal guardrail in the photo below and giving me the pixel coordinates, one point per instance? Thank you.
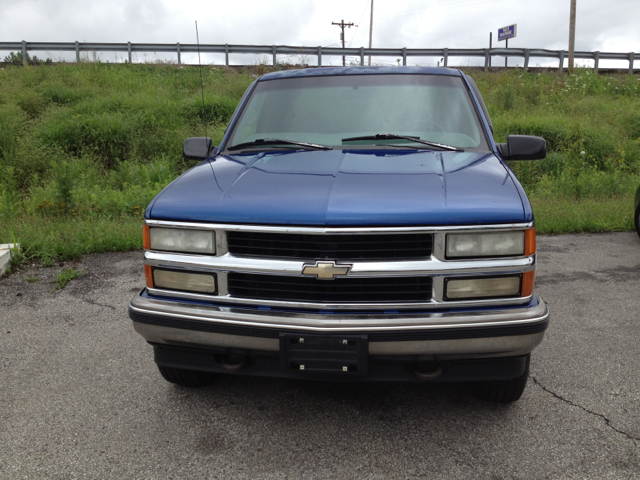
(525, 53)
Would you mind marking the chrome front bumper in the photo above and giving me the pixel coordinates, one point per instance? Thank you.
(499, 332)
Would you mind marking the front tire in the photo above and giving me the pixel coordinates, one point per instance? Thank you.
(503, 391)
(637, 220)
(186, 378)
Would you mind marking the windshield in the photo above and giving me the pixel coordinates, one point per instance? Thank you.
(326, 110)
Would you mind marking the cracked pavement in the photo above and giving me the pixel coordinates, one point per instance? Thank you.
(80, 396)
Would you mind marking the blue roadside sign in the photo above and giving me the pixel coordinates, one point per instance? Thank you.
(507, 32)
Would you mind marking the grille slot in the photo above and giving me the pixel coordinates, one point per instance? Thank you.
(339, 290)
(331, 246)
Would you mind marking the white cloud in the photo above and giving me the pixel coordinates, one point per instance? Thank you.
(398, 23)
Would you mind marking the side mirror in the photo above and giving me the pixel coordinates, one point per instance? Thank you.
(523, 147)
(197, 148)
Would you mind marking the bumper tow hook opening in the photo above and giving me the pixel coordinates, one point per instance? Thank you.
(233, 363)
(429, 375)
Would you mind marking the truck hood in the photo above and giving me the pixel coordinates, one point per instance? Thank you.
(344, 187)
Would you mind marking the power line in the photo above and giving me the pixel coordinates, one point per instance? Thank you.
(448, 7)
(402, 30)
(366, 4)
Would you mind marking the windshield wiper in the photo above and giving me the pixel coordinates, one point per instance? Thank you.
(266, 142)
(391, 136)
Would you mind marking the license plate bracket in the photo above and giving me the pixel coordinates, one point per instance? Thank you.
(346, 355)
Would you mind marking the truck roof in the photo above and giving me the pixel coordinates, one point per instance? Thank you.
(326, 71)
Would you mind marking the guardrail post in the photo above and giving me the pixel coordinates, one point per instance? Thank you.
(77, 52)
(129, 50)
(178, 48)
(226, 54)
(25, 62)
(596, 60)
(362, 56)
(273, 51)
(631, 57)
(404, 56)
(486, 59)
(319, 56)
(561, 66)
(526, 59)
(445, 56)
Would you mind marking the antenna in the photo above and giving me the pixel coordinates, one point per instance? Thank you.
(204, 110)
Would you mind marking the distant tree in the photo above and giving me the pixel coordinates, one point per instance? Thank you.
(17, 59)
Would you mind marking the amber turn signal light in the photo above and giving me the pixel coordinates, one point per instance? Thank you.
(528, 280)
(148, 276)
(530, 241)
(146, 238)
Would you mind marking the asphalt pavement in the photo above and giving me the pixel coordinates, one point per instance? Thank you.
(80, 395)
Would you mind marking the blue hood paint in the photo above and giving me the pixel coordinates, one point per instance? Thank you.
(345, 187)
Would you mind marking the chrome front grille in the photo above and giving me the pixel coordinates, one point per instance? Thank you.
(341, 290)
(392, 246)
(253, 269)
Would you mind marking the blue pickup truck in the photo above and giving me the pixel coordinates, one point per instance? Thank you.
(355, 223)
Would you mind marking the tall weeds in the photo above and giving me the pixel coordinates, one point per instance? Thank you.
(88, 146)
(590, 122)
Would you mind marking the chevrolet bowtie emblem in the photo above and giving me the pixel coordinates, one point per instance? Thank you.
(326, 270)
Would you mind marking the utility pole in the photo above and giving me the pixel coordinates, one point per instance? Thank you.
(342, 25)
(572, 34)
(490, 45)
(371, 30)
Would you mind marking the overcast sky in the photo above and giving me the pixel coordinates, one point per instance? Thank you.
(606, 26)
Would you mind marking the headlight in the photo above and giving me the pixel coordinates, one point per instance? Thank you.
(188, 282)
(178, 240)
(499, 244)
(491, 287)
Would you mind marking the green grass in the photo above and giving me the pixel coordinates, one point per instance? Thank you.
(566, 215)
(66, 275)
(63, 238)
(84, 148)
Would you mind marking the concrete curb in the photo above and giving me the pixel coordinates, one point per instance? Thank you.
(5, 256)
